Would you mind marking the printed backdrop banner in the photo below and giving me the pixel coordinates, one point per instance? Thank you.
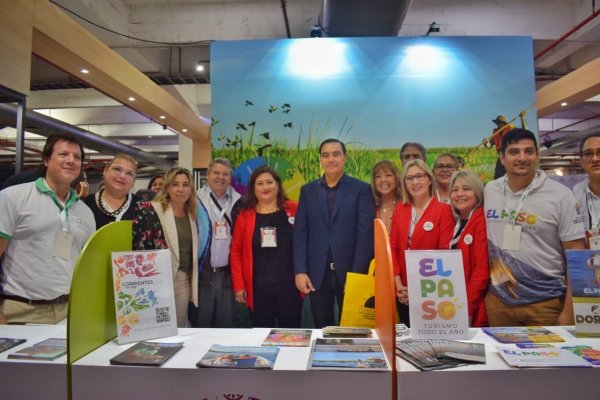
(437, 294)
(144, 297)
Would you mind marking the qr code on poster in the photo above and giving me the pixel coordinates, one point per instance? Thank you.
(162, 315)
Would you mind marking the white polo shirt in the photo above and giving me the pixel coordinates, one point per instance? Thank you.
(31, 219)
(549, 216)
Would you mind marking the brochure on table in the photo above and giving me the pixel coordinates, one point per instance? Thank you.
(584, 274)
(437, 294)
(144, 298)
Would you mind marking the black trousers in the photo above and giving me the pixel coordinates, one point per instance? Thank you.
(276, 305)
(323, 300)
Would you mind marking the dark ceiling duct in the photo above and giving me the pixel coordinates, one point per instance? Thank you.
(43, 125)
(345, 18)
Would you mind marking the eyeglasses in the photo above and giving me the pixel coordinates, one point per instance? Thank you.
(416, 178)
(410, 156)
(589, 154)
(117, 170)
(449, 167)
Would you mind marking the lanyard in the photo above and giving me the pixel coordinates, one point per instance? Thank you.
(125, 208)
(521, 202)
(457, 231)
(64, 218)
(590, 208)
(216, 207)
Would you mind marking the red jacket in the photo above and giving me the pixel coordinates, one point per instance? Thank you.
(437, 237)
(240, 255)
(476, 266)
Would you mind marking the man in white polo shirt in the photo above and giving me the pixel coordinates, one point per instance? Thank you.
(530, 220)
(587, 192)
(42, 231)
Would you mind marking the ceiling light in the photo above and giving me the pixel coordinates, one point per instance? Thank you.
(199, 68)
(85, 71)
(433, 28)
(316, 31)
(131, 98)
(162, 117)
(564, 104)
(184, 130)
(558, 172)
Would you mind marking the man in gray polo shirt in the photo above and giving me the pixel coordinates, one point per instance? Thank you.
(42, 231)
(219, 203)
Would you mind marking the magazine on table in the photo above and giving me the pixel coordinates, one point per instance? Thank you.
(147, 353)
(9, 343)
(436, 354)
(348, 353)
(523, 334)
(288, 338)
(250, 357)
(528, 358)
(49, 349)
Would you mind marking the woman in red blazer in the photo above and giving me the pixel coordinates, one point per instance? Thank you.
(420, 222)
(466, 197)
(261, 253)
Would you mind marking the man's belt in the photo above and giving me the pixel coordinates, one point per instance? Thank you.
(59, 300)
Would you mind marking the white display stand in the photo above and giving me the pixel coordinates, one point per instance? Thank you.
(32, 379)
(94, 378)
(495, 380)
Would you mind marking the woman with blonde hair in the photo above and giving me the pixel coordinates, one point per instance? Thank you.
(169, 222)
(114, 202)
(466, 198)
(387, 190)
(420, 222)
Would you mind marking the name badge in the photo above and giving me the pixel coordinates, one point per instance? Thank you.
(63, 241)
(593, 238)
(268, 236)
(512, 237)
(221, 230)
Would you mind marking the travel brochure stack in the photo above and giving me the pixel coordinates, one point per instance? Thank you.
(433, 354)
(48, 350)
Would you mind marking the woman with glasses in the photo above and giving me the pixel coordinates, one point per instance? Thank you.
(387, 190)
(261, 253)
(114, 202)
(420, 222)
(466, 198)
(444, 166)
(169, 222)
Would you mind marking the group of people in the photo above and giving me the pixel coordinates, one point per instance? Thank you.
(267, 252)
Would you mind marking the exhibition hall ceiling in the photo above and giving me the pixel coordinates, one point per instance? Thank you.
(168, 39)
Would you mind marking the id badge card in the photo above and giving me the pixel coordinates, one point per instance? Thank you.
(268, 236)
(221, 230)
(62, 245)
(593, 238)
(512, 237)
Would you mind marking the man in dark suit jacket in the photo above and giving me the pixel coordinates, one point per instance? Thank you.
(333, 233)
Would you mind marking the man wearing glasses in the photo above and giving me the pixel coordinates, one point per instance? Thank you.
(587, 192)
(530, 221)
(42, 231)
(443, 168)
(412, 151)
(333, 233)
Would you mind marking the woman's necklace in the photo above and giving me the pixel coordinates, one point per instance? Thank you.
(386, 213)
(389, 207)
(267, 209)
(102, 205)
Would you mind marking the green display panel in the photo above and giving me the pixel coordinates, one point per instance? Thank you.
(91, 319)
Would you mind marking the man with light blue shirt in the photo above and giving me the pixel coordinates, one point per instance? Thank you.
(587, 192)
(216, 215)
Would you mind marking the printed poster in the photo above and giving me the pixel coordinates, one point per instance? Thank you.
(437, 294)
(144, 297)
(584, 274)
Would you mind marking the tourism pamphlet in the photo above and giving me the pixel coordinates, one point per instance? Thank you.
(347, 332)
(49, 349)
(588, 353)
(355, 353)
(8, 343)
(437, 294)
(239, 357)
(524, 334)
(144, 299)
(526, 358)
(288, 338)
(436, 354)
(584, 274)
(147, 353)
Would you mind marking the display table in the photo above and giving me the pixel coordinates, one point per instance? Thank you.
(32, 379)
(94, 378)
(495, 380)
